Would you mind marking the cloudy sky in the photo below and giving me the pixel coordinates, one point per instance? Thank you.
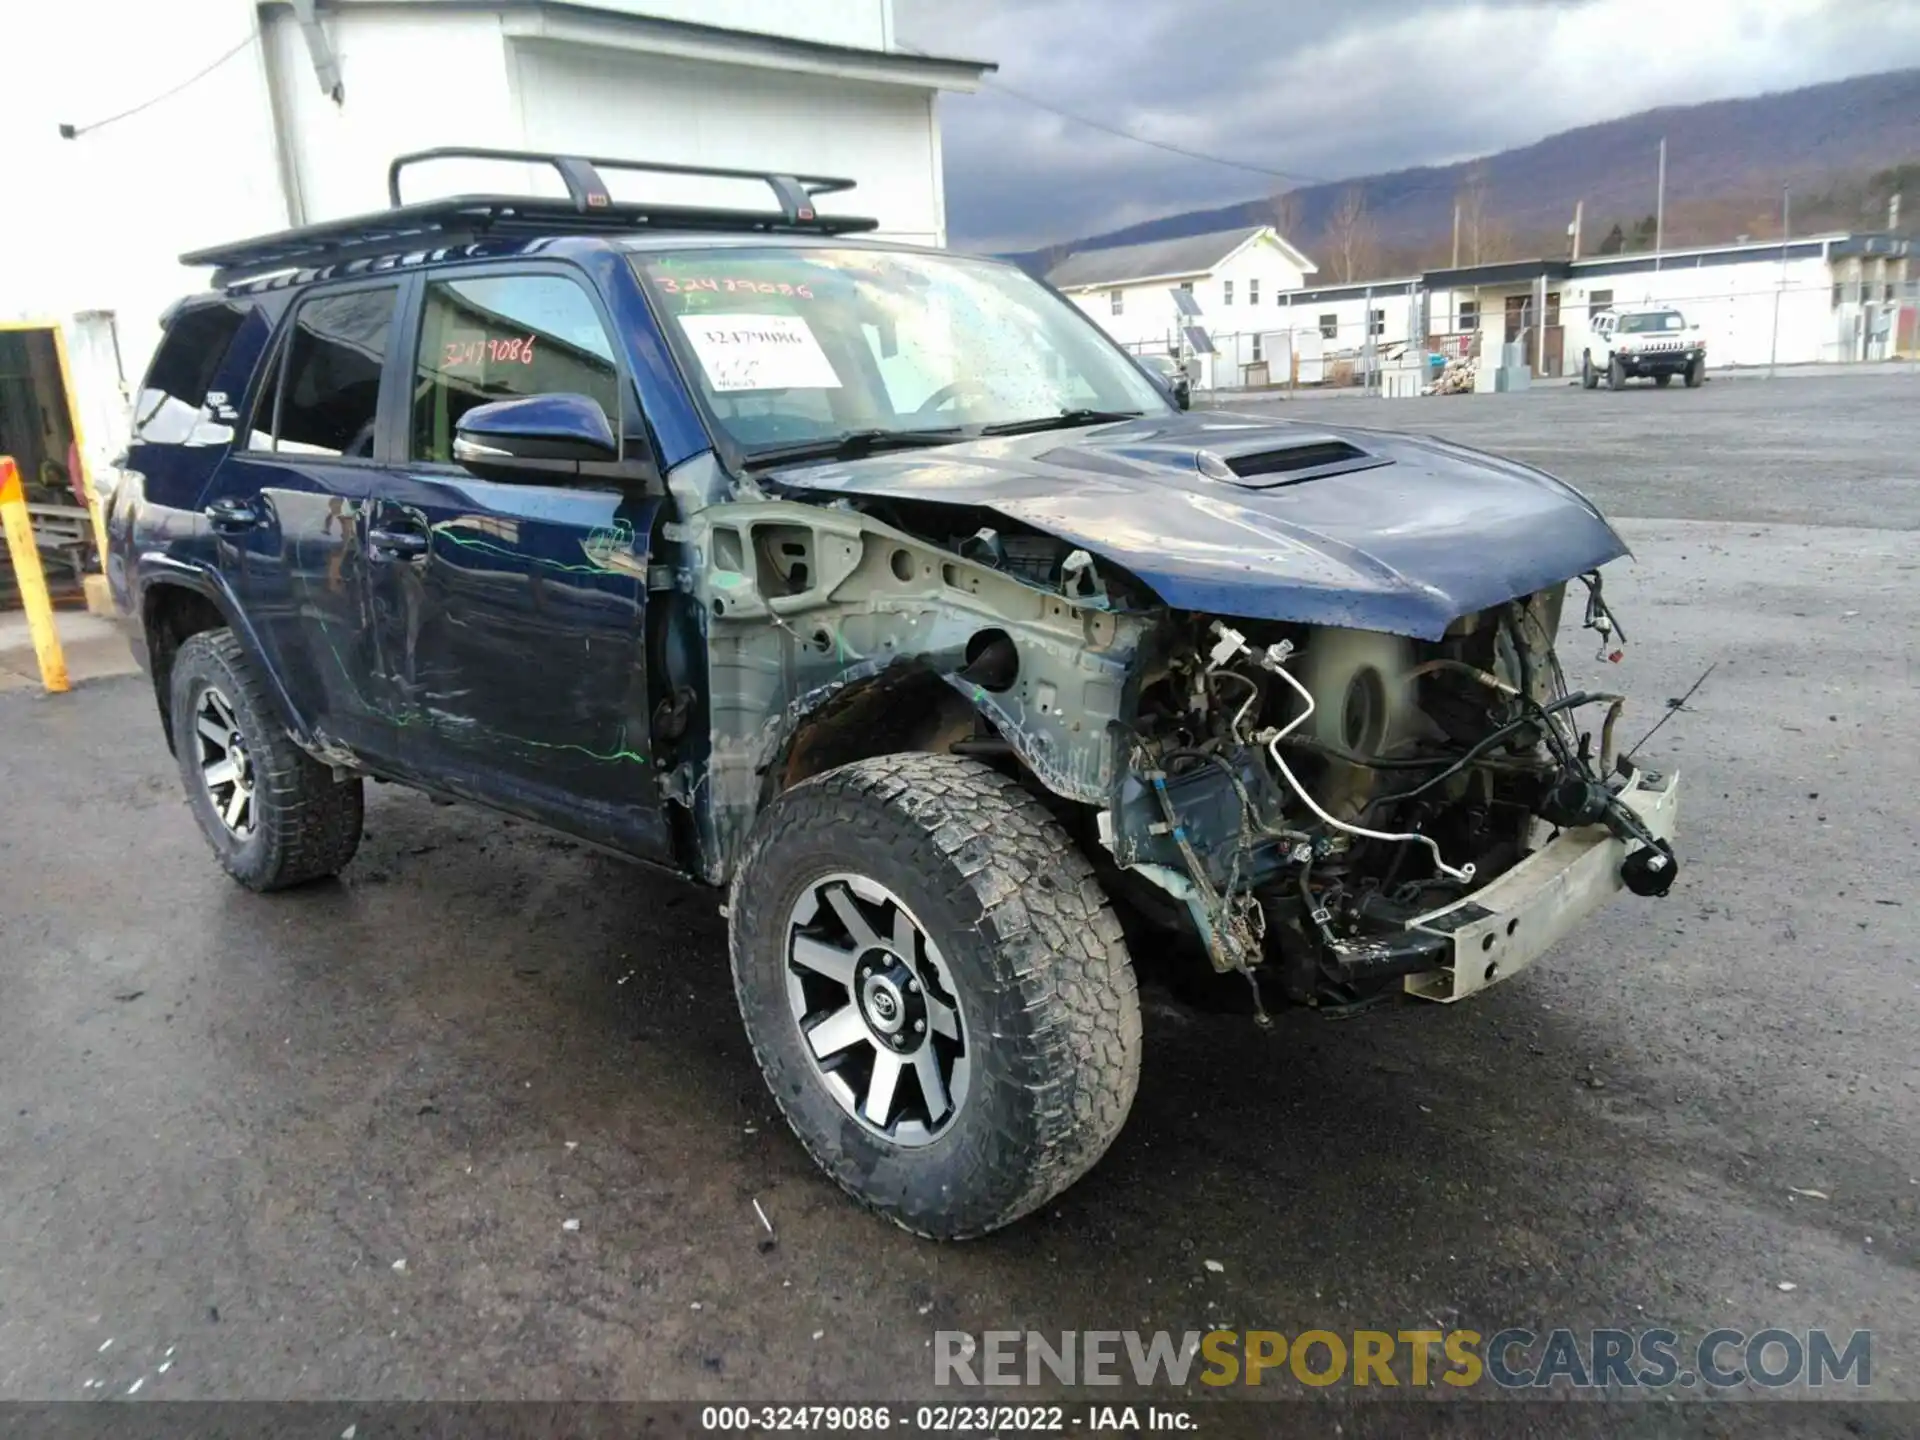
(1325, 89)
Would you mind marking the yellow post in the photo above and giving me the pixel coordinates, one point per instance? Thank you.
(33, 583)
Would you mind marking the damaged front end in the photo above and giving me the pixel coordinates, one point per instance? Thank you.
(1350, 812)
(1364, 812)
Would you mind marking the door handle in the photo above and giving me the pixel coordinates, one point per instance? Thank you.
(229, 516)
(386, 544)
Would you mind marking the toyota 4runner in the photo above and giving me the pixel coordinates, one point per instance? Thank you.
(875, 587)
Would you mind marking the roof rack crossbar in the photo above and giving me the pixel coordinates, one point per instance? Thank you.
(589, 193)
(468, 219)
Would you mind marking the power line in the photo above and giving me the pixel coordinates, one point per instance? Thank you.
(74, 132)
(1115, 130)
(1091, 123)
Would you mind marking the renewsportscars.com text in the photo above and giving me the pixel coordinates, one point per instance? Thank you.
(1511, 1359)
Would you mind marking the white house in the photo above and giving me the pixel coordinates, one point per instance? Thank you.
(1234, 276)
(242, 118)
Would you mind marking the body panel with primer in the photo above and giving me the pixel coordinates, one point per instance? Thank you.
(1404, 547)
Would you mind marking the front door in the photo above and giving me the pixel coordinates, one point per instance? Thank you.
(510, 612)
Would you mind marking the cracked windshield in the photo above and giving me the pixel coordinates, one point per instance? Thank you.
(795, 348)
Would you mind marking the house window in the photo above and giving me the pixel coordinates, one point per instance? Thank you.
(1888, 297)
(1598, 300)
(1187, 285)
(1469, 315)
(1329, 327)
(1253, 292)
(1553, 307)
(1226, 292)
(1258, 356)
(1116, 302)
(1376, 322)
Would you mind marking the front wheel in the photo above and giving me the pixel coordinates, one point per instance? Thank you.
(1588, 377)
(1696, 372)
(1616, 374)
(936, 988)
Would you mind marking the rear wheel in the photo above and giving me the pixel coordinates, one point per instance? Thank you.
(936, 988)
(1616, 374)
(273, 814)
(1588, 378)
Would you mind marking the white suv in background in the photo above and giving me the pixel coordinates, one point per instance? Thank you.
(1653, 340)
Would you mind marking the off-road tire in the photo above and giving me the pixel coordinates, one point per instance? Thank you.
(1589, 377)
(1616, 374)
(1037, 960)
(1696, 372)
(307, 824)
(1663, 381)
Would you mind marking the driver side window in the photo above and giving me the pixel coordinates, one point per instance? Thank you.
(503, 337)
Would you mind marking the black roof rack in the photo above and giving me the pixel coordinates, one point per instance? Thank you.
(464, 219)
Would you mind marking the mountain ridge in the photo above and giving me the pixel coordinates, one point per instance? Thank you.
(1726, 163)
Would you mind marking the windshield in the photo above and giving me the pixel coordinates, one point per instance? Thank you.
(1658, 320)
(797, 346)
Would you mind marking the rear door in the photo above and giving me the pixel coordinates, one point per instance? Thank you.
(510, 612)
(288, 508)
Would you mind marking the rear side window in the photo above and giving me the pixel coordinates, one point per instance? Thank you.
(502, 337)
(329, 392)
(173, 399)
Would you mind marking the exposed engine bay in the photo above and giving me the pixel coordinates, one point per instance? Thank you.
(1307, 792)
(1336, 809)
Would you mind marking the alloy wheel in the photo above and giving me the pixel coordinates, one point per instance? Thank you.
(876, 1008)
(226, 769)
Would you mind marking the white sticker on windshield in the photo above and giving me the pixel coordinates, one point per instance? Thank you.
(759, 352)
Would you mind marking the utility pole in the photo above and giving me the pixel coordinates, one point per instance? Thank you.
(1579, 208)
(1660, 207)
(1786, 229)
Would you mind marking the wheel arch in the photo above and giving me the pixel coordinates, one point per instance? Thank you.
(177, 603)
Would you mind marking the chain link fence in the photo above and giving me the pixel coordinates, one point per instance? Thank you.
(1369, 341)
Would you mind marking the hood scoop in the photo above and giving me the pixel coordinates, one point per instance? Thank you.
(1310, 457)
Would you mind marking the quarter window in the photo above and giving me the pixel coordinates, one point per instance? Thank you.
(175, 391)
(329, 391)
(504, 337)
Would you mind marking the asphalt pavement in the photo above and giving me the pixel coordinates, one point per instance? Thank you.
(327, 1144)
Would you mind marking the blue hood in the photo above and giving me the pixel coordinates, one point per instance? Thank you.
(1267, 519)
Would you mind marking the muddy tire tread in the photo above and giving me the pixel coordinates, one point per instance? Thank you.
(1060, 947)
(313, 821)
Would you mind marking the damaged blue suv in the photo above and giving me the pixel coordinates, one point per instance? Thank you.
(876, 586)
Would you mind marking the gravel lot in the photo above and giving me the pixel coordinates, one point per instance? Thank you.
(227, 1119)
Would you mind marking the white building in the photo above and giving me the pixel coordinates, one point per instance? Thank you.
(253, 117)
(1233, 276)
(1824, 299)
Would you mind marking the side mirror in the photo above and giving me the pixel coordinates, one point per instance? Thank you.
(549, 428)
(1183, 393)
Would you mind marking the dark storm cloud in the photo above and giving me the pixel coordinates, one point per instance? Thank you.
(1325, 91)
